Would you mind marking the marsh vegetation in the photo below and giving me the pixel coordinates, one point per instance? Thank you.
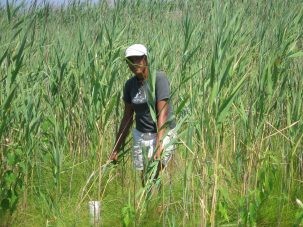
(235, 69)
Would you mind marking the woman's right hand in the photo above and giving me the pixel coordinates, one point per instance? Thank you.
(114, 156)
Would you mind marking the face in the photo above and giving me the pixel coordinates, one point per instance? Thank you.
(138, 65)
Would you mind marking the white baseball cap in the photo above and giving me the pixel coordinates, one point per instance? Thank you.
(136, 50)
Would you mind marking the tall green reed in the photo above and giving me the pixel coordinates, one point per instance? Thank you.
(231, 66)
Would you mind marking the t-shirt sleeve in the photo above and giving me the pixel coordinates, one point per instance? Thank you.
(162, 87)
(126, 92)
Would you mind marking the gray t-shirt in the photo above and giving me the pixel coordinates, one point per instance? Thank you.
(135, 92)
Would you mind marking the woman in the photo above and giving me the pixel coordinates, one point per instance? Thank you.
(149, 136)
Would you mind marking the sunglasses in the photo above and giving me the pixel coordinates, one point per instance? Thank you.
(131, 60)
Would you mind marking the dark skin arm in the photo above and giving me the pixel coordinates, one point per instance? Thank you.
(125, 125)
(162, 107)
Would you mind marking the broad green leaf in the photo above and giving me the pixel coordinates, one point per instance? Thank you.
(224, 108)
(296, 55)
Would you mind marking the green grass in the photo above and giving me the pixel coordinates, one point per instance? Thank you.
(236, 78)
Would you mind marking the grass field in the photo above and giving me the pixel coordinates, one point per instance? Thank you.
(235, 69)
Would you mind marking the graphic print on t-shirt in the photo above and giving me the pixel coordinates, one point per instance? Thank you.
(140, 97)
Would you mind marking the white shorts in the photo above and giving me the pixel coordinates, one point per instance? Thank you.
(145, 144)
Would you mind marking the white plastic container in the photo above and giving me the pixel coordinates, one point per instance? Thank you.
(94, 212)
